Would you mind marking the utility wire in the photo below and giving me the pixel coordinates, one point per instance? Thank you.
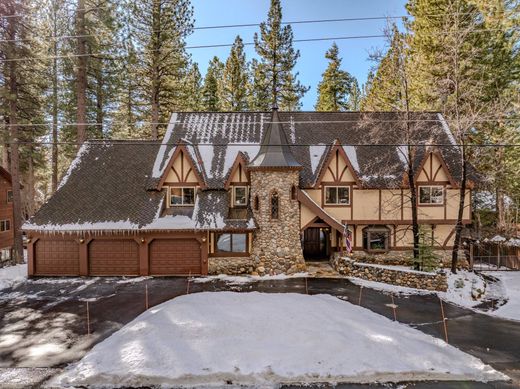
(126, 142)
(248, 123)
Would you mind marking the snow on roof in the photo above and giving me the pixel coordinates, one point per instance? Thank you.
(316, 153)
(82, 151)
(446, 129)
(84, 226)
(160, 161)
(498, 238)
(402, 152)
(352, 156)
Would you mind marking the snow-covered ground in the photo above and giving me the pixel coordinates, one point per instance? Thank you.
(246, 279)
(263, 339)
(12, 274)
(508, 289)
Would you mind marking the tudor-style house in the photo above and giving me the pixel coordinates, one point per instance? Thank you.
(252, 192)
(6, 217)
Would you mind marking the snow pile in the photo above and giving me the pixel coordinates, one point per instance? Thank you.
(256, 338)
(11, 275)
(465, 289)
(241, 280)
(510, 281)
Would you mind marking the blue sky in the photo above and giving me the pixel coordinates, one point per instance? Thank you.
(312, 62)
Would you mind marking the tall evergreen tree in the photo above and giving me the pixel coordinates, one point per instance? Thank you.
(335, 86)
(160, 27)
(235, 82)
(354, 96)
(277, 61)
(213, 85)
(193, 89)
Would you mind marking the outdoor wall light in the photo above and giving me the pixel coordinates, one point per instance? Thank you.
(29, 240)
(81, 240)
(143, 240)
(203, 239)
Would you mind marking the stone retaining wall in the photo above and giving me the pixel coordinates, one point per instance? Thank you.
(405, 258)
(371, 272)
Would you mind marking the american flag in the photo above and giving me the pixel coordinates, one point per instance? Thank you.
(348, 239)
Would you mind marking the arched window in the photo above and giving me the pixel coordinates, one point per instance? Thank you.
(293, 193)
(275, 209)
(256, 203)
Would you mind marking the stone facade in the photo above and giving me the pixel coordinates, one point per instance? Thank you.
(230, 265)
(277, 242)
(411, 279)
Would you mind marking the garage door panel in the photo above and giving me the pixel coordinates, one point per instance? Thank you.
(55, 257)
(175, 257)
(115, 257)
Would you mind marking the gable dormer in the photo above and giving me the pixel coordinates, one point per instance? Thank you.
(238, 183)
(433, 169)
(180, 179)
(339, 167)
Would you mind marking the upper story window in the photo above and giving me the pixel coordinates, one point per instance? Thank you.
(337, 195)
(182, 196)
(431, 195)
(9, 196)
(5, 225)
(275, 206)
(240, 196)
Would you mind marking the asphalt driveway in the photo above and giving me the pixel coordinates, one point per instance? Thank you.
(45, 323)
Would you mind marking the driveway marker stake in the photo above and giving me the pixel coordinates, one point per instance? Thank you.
(188, 286)
(444, 321)
(88, 320)
(394, 307)
(146, 295)
(360, 290)
(306, 289)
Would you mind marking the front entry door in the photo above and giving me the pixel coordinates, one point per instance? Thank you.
(315, 243)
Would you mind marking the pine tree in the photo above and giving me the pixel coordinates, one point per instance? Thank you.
(354, 96)
(193, 89)
(335, 86)
(160, 27)
(212, 86)
(277, 61)
(235, 82)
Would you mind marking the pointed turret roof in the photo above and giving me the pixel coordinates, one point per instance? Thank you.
(274, 150)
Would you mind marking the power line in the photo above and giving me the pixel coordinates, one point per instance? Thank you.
(367, 121)
(117, 142)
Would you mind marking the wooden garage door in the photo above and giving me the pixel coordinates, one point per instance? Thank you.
(56, 257)
(175, 257)
(117, 257)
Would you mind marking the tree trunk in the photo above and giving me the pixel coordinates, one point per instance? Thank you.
(15, 158)
(460, 214)
(81, 77)
(156, 27)
(54, 153)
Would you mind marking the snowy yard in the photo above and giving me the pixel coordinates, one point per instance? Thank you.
(256, 338)
(509, 288)
(12, 274)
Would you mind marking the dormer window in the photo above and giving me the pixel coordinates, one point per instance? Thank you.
(240, 196)
(184, 196)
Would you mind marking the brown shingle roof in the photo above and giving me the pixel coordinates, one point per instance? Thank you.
(114, 182)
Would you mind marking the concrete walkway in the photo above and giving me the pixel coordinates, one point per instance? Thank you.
(44, 324)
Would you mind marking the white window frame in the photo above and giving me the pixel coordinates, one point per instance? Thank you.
(430, 187)
(182, 197)
(235, 204)
(337, 187)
